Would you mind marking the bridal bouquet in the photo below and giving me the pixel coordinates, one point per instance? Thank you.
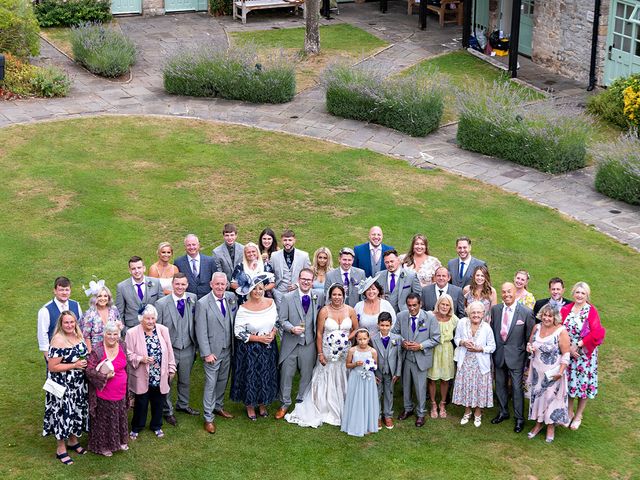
(368, 367)
(338, 343)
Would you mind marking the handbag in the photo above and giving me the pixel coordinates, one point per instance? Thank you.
(54, 388)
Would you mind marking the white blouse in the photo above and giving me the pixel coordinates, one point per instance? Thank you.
(260, 322)
(484, 338)
(370, 322)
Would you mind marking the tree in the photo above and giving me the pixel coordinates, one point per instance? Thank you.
(312, 30)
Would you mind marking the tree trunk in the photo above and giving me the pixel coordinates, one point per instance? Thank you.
(312, 31)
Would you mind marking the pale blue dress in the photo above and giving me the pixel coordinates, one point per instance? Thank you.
(361, 407)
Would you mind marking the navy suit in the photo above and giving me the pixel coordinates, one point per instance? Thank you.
(363, 258)
(200, 285)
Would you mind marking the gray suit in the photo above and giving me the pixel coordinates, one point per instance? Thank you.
(284, 275)
(356, 275)
(215, 336)
(221, 252)
(389, 366)
(429, 298)
(129, 304)
(416, 364)
(406, 283)
(183, 340)
(297, 352)
(510, 355)
(454, 270)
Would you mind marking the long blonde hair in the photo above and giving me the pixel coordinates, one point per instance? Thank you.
(58, 328)
(329, 266)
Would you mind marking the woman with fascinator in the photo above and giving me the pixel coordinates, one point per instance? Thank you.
(108, 399)
(100, 312)
(255, 372)
(368, 309)
(323, 402)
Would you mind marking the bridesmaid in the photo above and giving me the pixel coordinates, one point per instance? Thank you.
(523, 296)
(163, 270)
(322, 264)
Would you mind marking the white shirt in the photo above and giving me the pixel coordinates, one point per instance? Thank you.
(444, 290)
(44, 322)
(143, 286)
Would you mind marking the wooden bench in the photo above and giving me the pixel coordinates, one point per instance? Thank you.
(442, 10)
(242, 7)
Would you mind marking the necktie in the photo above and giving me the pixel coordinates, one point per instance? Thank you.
(392, 283)
(441, 292)
(346, 279)
(194, 267)
(504, 330)
(413, 324)
(180, 306)
(139, 287)
(306, 301)
(385, 341)
(222, 309)
(376, 255)
(461, 269)
(64, 307)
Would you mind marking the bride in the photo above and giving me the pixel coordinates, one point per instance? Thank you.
(323, 401)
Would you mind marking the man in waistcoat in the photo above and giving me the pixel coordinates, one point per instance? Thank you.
(50, 311)
(287, 265)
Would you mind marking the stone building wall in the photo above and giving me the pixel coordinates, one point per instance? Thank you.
(562, 37)
(153, 7)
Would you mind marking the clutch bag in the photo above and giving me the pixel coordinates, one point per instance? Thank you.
(54, 388)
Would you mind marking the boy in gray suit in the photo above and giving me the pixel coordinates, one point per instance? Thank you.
(389, 348)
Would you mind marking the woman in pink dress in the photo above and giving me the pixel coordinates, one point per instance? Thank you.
(108, 401)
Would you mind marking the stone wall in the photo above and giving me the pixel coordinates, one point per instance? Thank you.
(562, 37)
(153, 7)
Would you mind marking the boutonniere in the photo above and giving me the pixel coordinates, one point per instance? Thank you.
(420, 323)
(232, 301)
(314, 297)
(401, 276)
(394, 342)
(149, 284)
(188, 301)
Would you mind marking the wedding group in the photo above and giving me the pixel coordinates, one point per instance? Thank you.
(261, 314)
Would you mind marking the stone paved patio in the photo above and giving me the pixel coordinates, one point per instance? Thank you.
(156, 37)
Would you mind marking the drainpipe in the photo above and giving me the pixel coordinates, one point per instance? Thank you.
(514, 38)
(594, 45)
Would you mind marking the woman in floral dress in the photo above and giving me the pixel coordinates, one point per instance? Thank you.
(582, 321)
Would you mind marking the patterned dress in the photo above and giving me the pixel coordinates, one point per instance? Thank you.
(426, 271)
(472, 388)
(582, 372)
(485, 301)
(549, 398)
(68, 415)
(93, 326)
(443, 367)
(527, 300)
(154, 349)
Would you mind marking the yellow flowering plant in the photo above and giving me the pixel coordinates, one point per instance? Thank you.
(631, 97)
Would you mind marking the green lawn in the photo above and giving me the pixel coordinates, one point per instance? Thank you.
(81, 196)
(340, 41)
(464, 71)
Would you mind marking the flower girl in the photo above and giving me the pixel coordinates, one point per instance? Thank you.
(361, 407)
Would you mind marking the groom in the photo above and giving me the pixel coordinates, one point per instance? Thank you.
(298, 343)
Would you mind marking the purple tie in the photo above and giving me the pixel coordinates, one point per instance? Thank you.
(385, 341)
(392, 284)
(180, 306)
(222, 309)
(306, 301)
(346, 279)
(413, 324)
(140, 294)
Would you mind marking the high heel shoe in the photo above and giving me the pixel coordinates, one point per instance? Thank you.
(443, 409)
(434, 410)
(252, 416)
(549, 439)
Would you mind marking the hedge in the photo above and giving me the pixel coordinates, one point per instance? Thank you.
(70, 13)
(618, 173)
(102, 50)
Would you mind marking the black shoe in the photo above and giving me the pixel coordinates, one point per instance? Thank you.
(405, 414)
(499, 419)
(171, 420)
(519, 426)
(188, 411)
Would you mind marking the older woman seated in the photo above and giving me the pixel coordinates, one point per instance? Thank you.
(549, 346)
(108, 399)
(473, 385)
(151, 369)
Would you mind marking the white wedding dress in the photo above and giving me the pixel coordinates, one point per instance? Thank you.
(324, 400)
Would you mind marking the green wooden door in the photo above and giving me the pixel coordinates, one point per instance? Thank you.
(185, 5)
(481, 12)
(526, 27)
(623, 40)
(126, 6)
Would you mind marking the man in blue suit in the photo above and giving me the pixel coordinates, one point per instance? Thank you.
(197, 267)
(370, 256)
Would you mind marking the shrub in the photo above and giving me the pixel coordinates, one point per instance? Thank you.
(412, 104)
(618, 174)
(234, 74)
(610, 104)
(18, 29)
(50, 82)
(103, 51)
(220, 7)
(494, 122)
(24, 79)
(70, 13)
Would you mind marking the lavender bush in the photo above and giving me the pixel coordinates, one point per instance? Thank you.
(412, 104)
(236, 74)
(494, 122)
(618, 174)
(102, 50)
